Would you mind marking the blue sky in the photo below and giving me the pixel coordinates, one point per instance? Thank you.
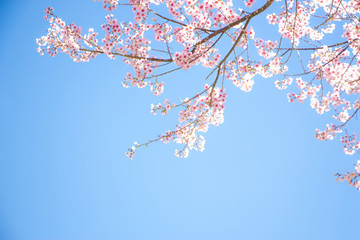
(65, 127)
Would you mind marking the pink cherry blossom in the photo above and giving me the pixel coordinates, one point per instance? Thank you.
(314, 54)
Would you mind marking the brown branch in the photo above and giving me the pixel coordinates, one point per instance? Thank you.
(232, 48)
(128, 56)
(342, 125)
(315, 48)
(319, 68)
(233, 24)
(177, 22)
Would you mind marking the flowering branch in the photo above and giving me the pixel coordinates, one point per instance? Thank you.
(329, 73)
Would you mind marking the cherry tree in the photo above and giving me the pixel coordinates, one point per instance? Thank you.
(167, 36)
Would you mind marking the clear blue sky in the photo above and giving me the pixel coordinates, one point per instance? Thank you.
(65, 127)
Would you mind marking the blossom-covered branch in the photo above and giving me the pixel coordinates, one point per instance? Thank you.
(157, 43)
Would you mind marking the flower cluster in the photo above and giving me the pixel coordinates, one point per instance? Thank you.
(272, 19)
(185, 59)
(167, 106)
(283, 84)
(352, 178)
(328, 134)
(131, 151)
(65, 38)
(157, 88)
(110, 4)
(249, 3)
(162, 32)
(199, 113)
(265, 48)
(350, 143)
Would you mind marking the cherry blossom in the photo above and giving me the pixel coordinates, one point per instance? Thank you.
(312, 52)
